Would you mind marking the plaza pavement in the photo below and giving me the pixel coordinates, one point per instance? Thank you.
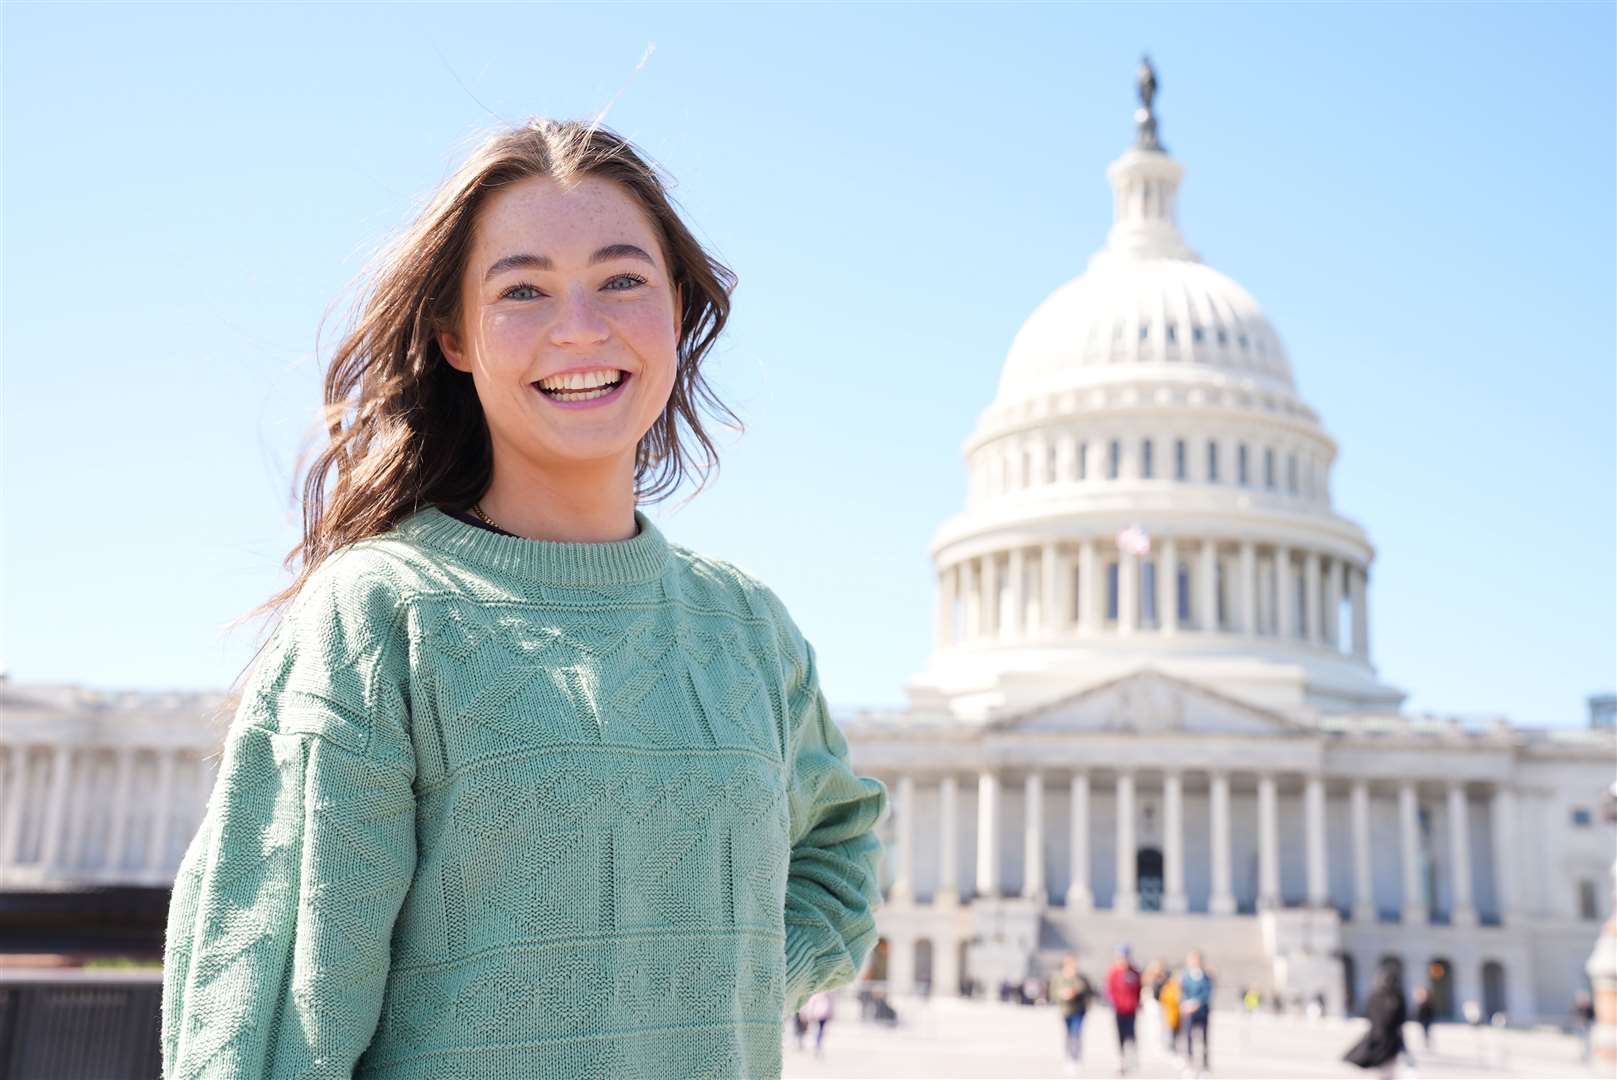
(990, 1039)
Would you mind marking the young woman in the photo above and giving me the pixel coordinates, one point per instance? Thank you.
(516, 786)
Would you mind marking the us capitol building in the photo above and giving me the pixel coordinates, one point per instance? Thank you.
(1150, 714)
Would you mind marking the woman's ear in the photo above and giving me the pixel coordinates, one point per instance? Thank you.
(449, 345)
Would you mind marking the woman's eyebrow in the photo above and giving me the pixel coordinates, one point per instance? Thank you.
(544, 262)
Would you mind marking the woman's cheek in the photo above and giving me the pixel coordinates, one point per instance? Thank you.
(510, 333)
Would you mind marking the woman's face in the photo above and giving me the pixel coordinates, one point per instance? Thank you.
(569, 324)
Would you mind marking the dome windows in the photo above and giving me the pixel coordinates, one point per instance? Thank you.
(1241, 477)
(1212, 461)
(1196, 334)
(1179, 462)
(1145, 459)
(1114, 459)
(1269, 468)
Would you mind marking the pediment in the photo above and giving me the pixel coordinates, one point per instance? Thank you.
(1150, 702)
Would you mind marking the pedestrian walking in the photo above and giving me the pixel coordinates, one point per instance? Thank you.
(1381, 1046)
(1123, 984)
(1425, 1013)
(818, 1011)
(1072, 994)
(1195, 1008)
(510, 761)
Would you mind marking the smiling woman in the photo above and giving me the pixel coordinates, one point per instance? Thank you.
(517, 787)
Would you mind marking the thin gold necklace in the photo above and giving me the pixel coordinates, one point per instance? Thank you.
(477, 512)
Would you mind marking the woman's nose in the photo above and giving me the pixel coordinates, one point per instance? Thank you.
(578, 319)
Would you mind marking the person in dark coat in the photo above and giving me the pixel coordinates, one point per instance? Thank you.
(1381, 1045)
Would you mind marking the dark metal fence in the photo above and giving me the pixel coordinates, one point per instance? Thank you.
(79, 1026)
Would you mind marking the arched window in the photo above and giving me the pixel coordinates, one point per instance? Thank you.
(1240, 465)
(1291, 473)
(1179, 463)
(1050, 463)
(1080, 462)
(1145, 459)
(1269, 468)
(1114, 459)
(1212, 461)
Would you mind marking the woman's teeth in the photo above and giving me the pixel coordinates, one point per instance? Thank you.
(570, 391)
(582, 395)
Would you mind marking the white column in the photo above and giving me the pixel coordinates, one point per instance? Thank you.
(1268, 844)
(1312, 623)
(17, 797)
(1018, 597)
(1461, 912)
(1222, 900)
(987, 834)
(1502, 813)
(1079, 894)
(991, 627)
(157, 846)
(1361, 613)
(1128, 592)
(1319, 887)
(1033, 837)
(50, 839)
(1415, 913)
(971, 589)
(1090, 588)
(1207, 617)
(903, 888)
(946, 591)
(1247, 588)
(945, 966)
(1285, 599)
(75, 821)
(1173, 844)
(1127, 899)
(1335, 583)
(948, 891)
(1364, 900)
(1168, 587)
(118, 827)
(1051, 610)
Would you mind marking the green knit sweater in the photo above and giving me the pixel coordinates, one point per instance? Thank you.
(493, 807)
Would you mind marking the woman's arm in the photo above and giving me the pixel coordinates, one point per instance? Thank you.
(833, 886)
(278, 933)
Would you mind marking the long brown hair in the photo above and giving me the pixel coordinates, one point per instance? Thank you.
(405, 429)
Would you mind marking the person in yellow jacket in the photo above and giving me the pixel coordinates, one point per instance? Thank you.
(1168, 1002)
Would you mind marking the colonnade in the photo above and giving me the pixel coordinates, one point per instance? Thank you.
(87, 813)
(1208, 584)
(1170, 784)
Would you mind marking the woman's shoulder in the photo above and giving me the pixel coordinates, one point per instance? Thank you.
(712, 581)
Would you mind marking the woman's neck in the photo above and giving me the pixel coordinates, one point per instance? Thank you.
(588, 506)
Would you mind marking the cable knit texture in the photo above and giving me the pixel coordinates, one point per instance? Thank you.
(493, 807)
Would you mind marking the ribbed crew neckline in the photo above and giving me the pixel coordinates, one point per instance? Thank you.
(642, 557)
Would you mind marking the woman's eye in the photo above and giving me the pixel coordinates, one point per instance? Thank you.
(633, 279)
(515, 288)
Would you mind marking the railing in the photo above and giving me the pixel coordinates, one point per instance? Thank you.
(80, 1025)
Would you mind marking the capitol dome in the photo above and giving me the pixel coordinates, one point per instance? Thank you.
(1124, 312)
(1148, 488)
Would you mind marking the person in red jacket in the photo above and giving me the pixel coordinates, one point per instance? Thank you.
(1123, 987)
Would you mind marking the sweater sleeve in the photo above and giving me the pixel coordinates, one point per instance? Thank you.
(277, 944)
(833, 885)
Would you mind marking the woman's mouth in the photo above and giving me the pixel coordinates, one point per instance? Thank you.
(582, 391)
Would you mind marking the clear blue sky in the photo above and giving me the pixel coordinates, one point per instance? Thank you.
(1421, 197)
